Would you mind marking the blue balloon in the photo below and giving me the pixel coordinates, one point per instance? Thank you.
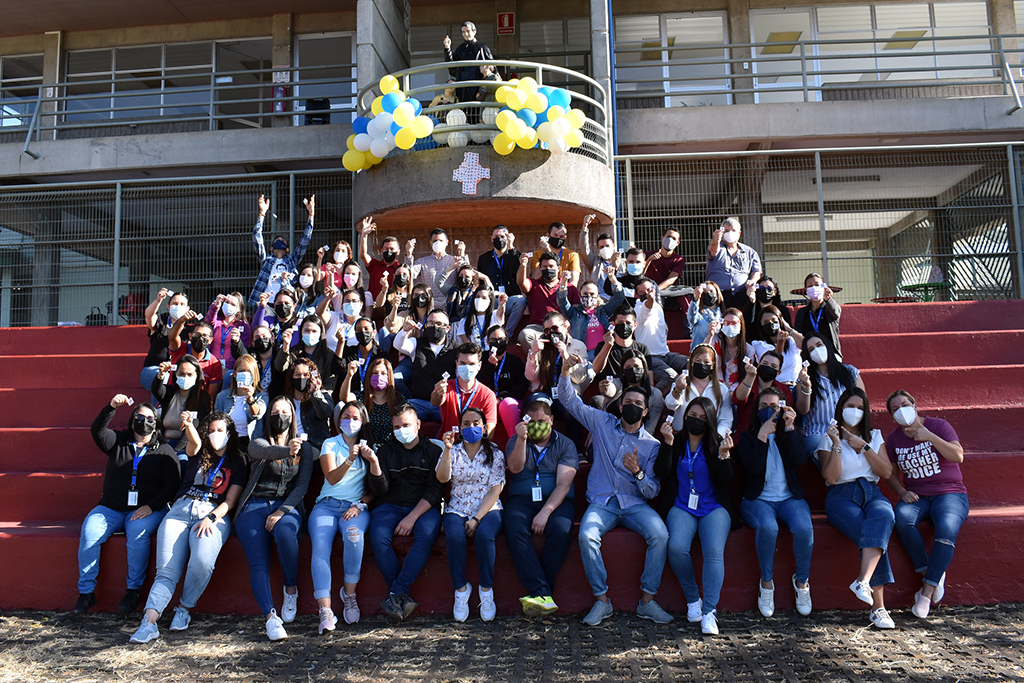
(417, 108)
(528, 116)
(390, 102)
(395, 128)
(359, 124)
(561, 97)
(546, 90)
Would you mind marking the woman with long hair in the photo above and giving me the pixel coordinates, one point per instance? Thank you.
(227, 314)
(729, 339)
(825, 381)
(243, 400)
(701, 379)
(183, 393)
(312, 406)
(379, 400)
(705, 309)
(400, 325)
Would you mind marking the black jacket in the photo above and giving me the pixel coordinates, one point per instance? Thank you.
(487, 265)
(512, 382)
(752, 454)
(157, 478)
(828, 324)
(667, 465)
(465, 52)
(407, 475)
(428, 368)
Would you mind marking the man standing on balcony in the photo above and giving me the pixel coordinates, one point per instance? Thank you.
(279, 268)
(734, 267)
(471, 49)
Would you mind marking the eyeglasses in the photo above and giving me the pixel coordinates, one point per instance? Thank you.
(207, 337)
(441, 325)
(549, 330)
(495, 342)
(148, 419)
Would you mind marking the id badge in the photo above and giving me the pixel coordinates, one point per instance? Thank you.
(223, 363)
(133, 498)
(501, 289)
(554, 393)
(692, 503)
(538, 494)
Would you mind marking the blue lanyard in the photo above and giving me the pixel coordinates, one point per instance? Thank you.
(224, 332)
(497, 375)
(690, 460)
(365, 365)
(501, 271)
(816, 321)
(558, 371)
(213, 473)
(458, 396)
(478, 326)
(537, 460)
(136, 459)
(265, 375)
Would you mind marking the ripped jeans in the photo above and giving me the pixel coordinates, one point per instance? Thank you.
(947, 512)
(324, 522)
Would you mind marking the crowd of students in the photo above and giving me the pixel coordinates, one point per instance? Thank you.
(398, 377)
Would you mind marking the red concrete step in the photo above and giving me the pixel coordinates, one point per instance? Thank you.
(58, 407)
(49, 496)
(932, 317)
(60, 340)
(934, 349)
(977, 386)
(72, 371)
(51, 449)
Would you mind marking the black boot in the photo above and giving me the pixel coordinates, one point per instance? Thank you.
(130, 601)
(86, 601)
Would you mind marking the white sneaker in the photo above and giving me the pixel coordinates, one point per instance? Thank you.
(461, 609)
(694, 611)
(862, 589)
(803, 598)
(880, 618)
(487, 607)
(709, 623)
(765, 600)
(290, 606)
(146, 632)
(275, 627)
(181, 619)
(922, 606)
(351, 611)
(940, 590)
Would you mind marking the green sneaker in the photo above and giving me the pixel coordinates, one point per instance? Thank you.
(532, 607)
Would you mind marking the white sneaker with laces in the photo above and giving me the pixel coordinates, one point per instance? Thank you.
(803, 597)
(862, 589)
(290, 606)
(327, 620)
(487, 607)
(709, 623)
(461, 609)
(181, 619)
(145, 633)
(694, 611)
(275, 627)
(940, 590)
(765, 600)
(880, 618)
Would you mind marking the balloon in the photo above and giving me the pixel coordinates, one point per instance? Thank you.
(378, 106)
(528, 85)
(372, 159)
(405, 138)
(391, 101)
(527, 116)
(558, 146)
(422, 126)
(561, 97)
(555, 112)
(350, 141)
(353, 160)
(488, 115)
(480, 137)
(404, 114)
(546, 90)
(560, 127)
(545, 133)
(516, 129)
(359, 124)
(501, 93)
(513, 82)
(528, 140)
(394, 128)
(440, 137)
(388, 84)
(537, 102)
(503, 145)
(503, 118)
(576, 118)
(362, 142)
(574, 138)
(380, 148)
(417, 106)
(383, 121)
(456, 117)
(457, 139)
(516, 99)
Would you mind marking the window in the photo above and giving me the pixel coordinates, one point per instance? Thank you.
(318, 57)
(20, 78)
(564, 43)
(426, 47)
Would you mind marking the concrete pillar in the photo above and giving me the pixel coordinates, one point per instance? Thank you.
(505, 45)
(282, 57)
(53, 61)
(739, 32)
(382, 39)
(601, 54)
(46, 273)
(1004, 22)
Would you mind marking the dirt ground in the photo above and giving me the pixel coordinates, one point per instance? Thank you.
(957, 644)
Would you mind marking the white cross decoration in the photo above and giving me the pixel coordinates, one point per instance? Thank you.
(470, 172)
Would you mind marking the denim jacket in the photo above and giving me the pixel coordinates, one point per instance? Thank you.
(578, 318)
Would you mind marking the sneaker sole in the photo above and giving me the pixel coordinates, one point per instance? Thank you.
(178, 629)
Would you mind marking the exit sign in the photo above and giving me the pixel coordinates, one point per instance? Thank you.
(506, 23)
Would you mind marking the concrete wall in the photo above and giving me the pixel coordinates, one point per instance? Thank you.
(382, 39)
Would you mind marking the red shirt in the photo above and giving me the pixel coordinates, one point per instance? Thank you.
(660, 268)
(741, 421)
(376, 269)
(455, 402)
(543, 299)
(212, 370)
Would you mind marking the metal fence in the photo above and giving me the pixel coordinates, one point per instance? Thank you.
(922, 223)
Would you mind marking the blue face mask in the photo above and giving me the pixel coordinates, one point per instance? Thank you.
(406, 435)
(352, 308)
(634, 268)
(310, 338)
(765, 414)
(472, 434)
(468, 372)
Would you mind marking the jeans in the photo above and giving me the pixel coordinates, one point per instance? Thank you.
(528, 334)
(764, 517)
(948, 512)
(146, 378)
(600, 519)
(383, 520)
(324, 522)
(538, 574)
(425, 410)
(514, 308)
(666, 368)
(714, 531)
(483, 539)
(176, 544)
(252, 532)
(402, 374)
(98, 526)
(860, 511)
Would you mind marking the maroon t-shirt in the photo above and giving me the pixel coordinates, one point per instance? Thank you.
(543, 299)
(660, 268)
(376, 269)
(925, 472)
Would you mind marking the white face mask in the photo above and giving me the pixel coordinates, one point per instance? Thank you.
(352, 308)
(853, 416)
(731, 331)
(218, 440)
(228, 310)
(606, 253)
(815, 292)
(438, 247)
(305, 281)
(177, 310)
(339, 257)
(186, 383)
(481, 304)
(819, 354)
(730, 236)
(669, 243)
(905, 415)
(311, 338)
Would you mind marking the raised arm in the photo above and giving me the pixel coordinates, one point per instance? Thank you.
(153, 307)
(367, 227)
(522, 278)
(307, 234)
(263, 205)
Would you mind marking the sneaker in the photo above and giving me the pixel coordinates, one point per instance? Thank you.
(598, 613)
(880, 618)
(803, 598)
(487, 606)
(694, 611)
(709, 623)
(408, 605)
(922, 606)
(130, 601)
(862, 589)
(181, 619)
(290, 606)
(653, 611)
(86, 601)
(461, 609)
(145, 633)
(765, 600)
(392, 606)
(531, 606)
(275, 627)
(327, 620)
(940, 590)
(351, 611)
(547, 605)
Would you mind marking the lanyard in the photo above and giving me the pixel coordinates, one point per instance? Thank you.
(537, 460)
(816, 321)
(225, 330)
(558, 371)
(497, 375)
(265, 375)
(501, 272)
(213, 473)
(364, 365)
(458, 396)
(479, 326)
(136, 459)
(690, 460)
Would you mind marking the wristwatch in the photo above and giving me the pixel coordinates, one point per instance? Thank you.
(212, 517)
(639, 476)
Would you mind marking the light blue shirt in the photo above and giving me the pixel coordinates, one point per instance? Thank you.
(776, 488)
(353, 485)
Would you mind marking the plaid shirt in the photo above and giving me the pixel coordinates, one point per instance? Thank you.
(267, 262)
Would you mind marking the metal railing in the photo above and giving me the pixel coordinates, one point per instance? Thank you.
(597, 143)
(819, 70)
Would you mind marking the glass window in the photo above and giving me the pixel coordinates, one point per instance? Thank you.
(20, 78)
(325, 58)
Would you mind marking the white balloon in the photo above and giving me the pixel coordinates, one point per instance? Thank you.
(458, 139)
(379, 148)
(389, 138)
(480, 136)
(489, 115)
(374, 132)
(383, 121)
(362, 142)
(457, 117)
(561, 126)
(440, 137)
(557, 146)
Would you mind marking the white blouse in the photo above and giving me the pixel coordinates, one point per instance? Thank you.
(854, 465)
(472, 479)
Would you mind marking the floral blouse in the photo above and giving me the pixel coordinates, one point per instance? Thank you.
(472, 479)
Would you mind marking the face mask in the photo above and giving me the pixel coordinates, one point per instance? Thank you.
(462, 282)
(406, 435)
(623, 330)
(177, 310)
(199, 343)
(632, 413)
(261, 344)
(300, 383)
(364, 337)
(537, 430)
(632, 375)
(438, 247)
(305, 281)
(472, 434)
(339, 257)
(481, 304)
(770, 329)
(498, 346)
(905, 415)
(228, 310)
(243, 379)
(556, 242)
(819, 354)
(708, 299)
(142, 426)
(695, 425)
(816, 293)
(767, 373)
(311, 338)
(279, 423)
(730, 236)
(549, 274)
(731, 331)
(185, 383)
(401, 279)
(388, 255)
(500, 242)
(764, 295)
(765, 414)
(218, 440)
(701, 370)
(279, 244)
(350, 280)
(379, 382)
(433, 334)
(468, 372)
(282, 310)
(606, 253)
(421, 300)
(352, 308)
(555, 337)
(853, 416)
(589, 302)
(350, 427)
(634, 268)
(669, 243)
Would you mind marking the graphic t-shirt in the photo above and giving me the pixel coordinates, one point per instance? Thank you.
(198, 483)
(925, 472)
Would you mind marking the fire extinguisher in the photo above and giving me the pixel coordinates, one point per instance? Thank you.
(281, 90)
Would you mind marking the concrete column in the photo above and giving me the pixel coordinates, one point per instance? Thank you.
(46, 273)
(382, 39)
(739, 32)
(1004, 22)
(505, 45)
(601, 55)
(282, 56)
(53, 61)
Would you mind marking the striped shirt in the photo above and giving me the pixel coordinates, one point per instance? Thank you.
(823, 403)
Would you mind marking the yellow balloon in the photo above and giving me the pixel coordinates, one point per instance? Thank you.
(574, 138)
(501, 93)
(538, 102)
(529, 140)
(576, 118)
(377, 106)
(555, 112)
(405, 138)
(388, 84)
(516, 100)
(422, 126)
(372, 159)
(516, 129)
(404, 114)
(503, 119)
(351, 139)
(502, 144)
(513, 82)
(353, 160)
(528, 85)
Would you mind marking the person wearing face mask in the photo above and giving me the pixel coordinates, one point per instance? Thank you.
(775, 334)
(568, 260)
(701, 380)
(262, 351)
(618, 346)
(759, 376)
(734, 267)
(652, 332)
(634, 273)
(434, 356)
(500, 264)
(310, 402)
(542, 465)
(664, 265)
(196, 527)
(765, 294)
(341, 509)
(380, 398)
(927, 452)
(544, 364)
(634, 374)
(388, 261)
(159, 331)
(140, 478)
(226, 314)
(696, 475)
(406, 501)
(197, 346)
(591, 317)
(476, 469)
(337, 256)
(394, 300)
(488, 310)
(461, 291)
(729, 342)
(770, 452)
(282, 315)
(405, 326)
(354, 364)
(705, 310)
(541, 294)
(853, 458)
(311, 344)
(243, 400)
(820, 316)
(339, 312)
(179, 391)
(620, 483)
(306, 294)
(504, 373)
(275, 268)
(600, 258)
(454, 396)
(426, 268)
(821, 384)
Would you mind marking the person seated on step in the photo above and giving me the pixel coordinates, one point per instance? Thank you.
(140, 479)
(311, 344)
(544, 365)
(599, 258)
(462, 286)
(194, 530)
(159, 328)
(339, 312)
(381, 271)
(823, 381)
(820, 316)
(636, 265)
(927, 452)
(652, 332)
(729, 341)
(766, 293)
(406, 501)
(227, 314)
(338, 255)
(406, 322)
(619, 345)
(271, 509)
(634, 374)
(197, 346)
(262, 350)
(758, 376)
(542, 293)
(853, 458)
(179, 390)
(311, 403)
(553, 242)
(664, 265)
(244, 401)
(307, 292)
(701, 504)
(500, 264)
(704, 311)
(504, 373)
(620, 483)
(453, 396)
(476, 469)
(488, 309)
(392, 304)
(277, 269)
(590, 319)
(285, 314)
(380, 398)
(701, 379)
(770, 453)
(352, 363)
(542, 465)
(785, 340)
(426, 268)
(734, 267)
(433, 352)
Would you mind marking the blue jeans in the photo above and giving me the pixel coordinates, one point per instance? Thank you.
(600, 519)
(948, 512)
(455, 542)
(402, 374)
(538, 574)
(146, 378)
(514, 308)
(811, 442)
(177, 544)
(383, 520)
(324, 522)
(764, 517)
(860, 511)
(714, 531)
(252, 532)
(425, 410)
(98, 526)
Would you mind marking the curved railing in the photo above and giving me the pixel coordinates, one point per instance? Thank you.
(594, 102)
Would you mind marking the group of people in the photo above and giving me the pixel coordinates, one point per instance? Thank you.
(400, 378)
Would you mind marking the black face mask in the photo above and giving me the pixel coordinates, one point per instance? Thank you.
(462, 282)
(279, 423)
(143, 426)
(421, 300)
(549, 274)
(556, 242)
(433, 334)
(499, 345)
(364, 337)
(555, 337)
(632, 375)
(300, 383)
(695, 425)
(770, 329)
(389, 256)
(708, 299)
(767, 373)
(702, 370)
(632, 413)
(261, 344)
(623, 330)
(282, 310)
(500, 242)
(764, 296)
(401, 279)
(199, 343)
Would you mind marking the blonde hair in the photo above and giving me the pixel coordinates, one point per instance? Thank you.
(245, 363)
